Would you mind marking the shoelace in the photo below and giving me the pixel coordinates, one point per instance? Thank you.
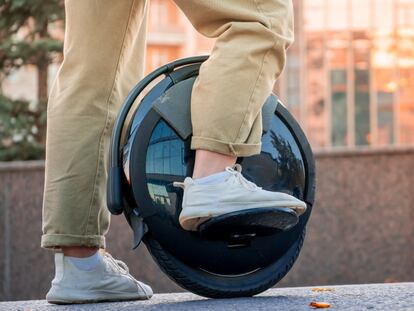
(121, 267)
(236, 172)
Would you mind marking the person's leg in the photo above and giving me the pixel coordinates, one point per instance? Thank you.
(104, 52)
(233, 84)
(249, 54)
(103, 58)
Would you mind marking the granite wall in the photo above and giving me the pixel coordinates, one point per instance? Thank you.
(361, 230)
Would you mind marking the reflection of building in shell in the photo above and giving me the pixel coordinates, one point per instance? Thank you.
(282, 161)
(164, 163)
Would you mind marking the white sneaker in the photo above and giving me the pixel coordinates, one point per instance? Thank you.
(202, 202)
(109, 281)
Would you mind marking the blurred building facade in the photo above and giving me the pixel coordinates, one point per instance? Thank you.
(349, 77)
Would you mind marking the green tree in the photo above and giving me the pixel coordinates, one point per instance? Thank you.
(28, 31)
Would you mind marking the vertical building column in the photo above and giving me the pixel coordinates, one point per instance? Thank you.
(327, 70)
(396, 107)
(373, 97)
(350, 81)
(301, 33)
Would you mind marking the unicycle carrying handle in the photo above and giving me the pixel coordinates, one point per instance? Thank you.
(114, 192)
(114, 182)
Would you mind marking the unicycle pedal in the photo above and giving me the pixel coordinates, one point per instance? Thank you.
(250, 222)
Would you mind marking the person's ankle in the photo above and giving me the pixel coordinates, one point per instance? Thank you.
(79, 251)
(209, 162)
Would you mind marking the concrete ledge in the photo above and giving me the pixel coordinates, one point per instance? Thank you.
(318, 153)
(14, 166)
(359, 151)
(397, 296)
(361, 229)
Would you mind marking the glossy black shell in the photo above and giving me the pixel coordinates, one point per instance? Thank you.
(155, 155)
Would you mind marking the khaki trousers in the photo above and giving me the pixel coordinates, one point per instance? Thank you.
(104, 58)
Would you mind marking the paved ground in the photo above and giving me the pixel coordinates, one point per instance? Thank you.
(397, 296)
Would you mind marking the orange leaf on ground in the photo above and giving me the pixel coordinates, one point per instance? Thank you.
(322, 289)
(320, 305)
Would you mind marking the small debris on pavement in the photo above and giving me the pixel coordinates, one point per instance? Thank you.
(320, 305)
(322, 289)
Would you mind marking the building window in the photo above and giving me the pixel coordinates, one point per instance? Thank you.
(361, 87)
(339, 107)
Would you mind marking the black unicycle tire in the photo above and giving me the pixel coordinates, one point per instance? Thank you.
(211, 286)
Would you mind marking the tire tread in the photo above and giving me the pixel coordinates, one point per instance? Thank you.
(188, 283)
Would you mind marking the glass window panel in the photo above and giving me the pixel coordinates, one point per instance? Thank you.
(362, 111)
(338, 62)
(339, 125)
(361, 58)
(339, 108)
(385, 89)
(158, 158)
(385, 117)
(176, 164)
(167, 155)
(338, 79)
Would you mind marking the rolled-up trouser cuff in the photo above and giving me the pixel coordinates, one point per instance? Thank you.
(59, 240)
(235, 149)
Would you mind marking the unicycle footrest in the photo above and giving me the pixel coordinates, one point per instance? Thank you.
(250, 222)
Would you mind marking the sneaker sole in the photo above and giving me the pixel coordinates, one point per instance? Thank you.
(76, 299)
(191, 218)
(78, 302)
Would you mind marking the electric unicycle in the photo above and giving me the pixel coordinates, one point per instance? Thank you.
(156, 152)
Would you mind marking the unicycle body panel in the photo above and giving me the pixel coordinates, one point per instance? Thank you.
(157, 152)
